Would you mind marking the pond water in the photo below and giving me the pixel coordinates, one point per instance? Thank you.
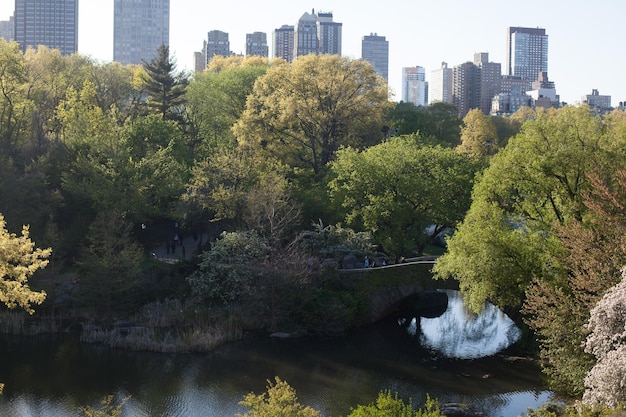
(54, 376)
(459, 333)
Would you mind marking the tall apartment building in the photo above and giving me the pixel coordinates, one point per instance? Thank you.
(375, 50)
(256, 44)
(7, 29)
(199, 58)
(283, 42)
(466, 87)
(317, 34)
(53, 23)
(490, 80)
(329, 34)
(512, 96)
(217, 44)
(414, 86)
(305, 35)
(440, 85)
(140, 28)
(595, 100)
(526, 52)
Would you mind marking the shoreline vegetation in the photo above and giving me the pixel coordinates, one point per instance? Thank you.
(169, 326)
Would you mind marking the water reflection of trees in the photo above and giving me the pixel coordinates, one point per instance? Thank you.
(459, 333)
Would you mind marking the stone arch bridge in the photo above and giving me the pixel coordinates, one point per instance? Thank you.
(403, 289)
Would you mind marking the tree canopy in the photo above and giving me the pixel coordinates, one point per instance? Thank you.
(19, 260)
(479, 137)
(535, 182)
(165, 89)
(280, 400)
(405, 193)
(302, 112)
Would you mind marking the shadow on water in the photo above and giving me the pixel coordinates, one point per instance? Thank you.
(53, 376)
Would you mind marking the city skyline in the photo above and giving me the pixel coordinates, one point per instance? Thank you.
(140, 28)
(583, 55)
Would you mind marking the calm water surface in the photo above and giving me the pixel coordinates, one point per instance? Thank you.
(52, 377)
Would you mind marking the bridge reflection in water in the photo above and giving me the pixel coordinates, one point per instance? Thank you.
(459, 333)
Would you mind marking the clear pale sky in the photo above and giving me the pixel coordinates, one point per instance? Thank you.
(586, 37)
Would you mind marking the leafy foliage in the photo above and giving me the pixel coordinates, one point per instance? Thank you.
(217, 98)
(398, 189)
(335, 242)
(594, 254)
(439, 122)
(19, 260)
(479, 137)
(302, 112)
(226, 271)
(537, 181)
(110, 264)
(388, 405)
(280, 400)
(604, 385)
(165, 89)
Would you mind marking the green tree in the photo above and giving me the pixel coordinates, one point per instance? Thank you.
(220, 184)
(50, 77)
(226, 271)
(607, 342)
(117, 90)
(19, 260)
(280, 400)
(302, 112)
(15, 107)
(506, 127)
(405, 193)
(335, 242)
(217, 98)
(537, 181)
(388, 405)
(271, 209)
(165, 89)
(594, 253)
(138, 169)
(403, 119)
(443, 122)
(109, 265)
(479, 137)
(438, 122)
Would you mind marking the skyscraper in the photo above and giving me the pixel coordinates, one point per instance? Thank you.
(375, 50)
(466, 87)
(217, 44)
(414, 86)
(199, 58)
(256, 44)
(283, 42)
(53, 23)
(305, 35)
(440, 86)
(329, 34)
(490, 80)
(7, 29)
(140, 27)
(526, 52)
(317, 34)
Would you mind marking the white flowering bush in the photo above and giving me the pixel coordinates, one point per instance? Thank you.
(605, 384)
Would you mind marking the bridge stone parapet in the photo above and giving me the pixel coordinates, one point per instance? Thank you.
(386, 287)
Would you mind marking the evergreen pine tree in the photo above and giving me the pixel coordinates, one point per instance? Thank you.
(164, 88)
